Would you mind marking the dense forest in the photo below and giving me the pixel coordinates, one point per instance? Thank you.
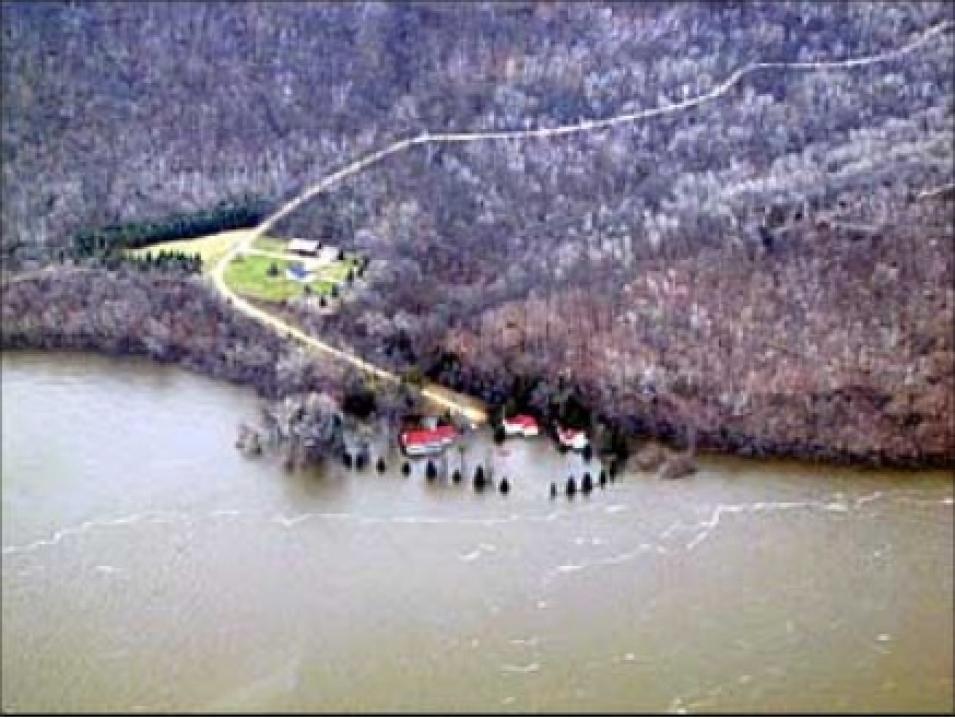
(162, 314)
(772, 270)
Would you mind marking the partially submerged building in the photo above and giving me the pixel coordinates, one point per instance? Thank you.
(522, 425)
(419, 442)
(572, 438)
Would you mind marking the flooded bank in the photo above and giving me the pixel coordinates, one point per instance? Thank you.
(149, 567)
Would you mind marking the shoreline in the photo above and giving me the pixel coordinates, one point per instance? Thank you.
(723, 439)
(182, 321)
(732, 446)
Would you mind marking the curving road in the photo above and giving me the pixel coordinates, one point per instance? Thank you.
(470, 407)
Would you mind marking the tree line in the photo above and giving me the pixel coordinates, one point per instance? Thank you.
(227, 215)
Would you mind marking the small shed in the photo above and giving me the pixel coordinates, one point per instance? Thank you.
(572, 438)
(304, 247)
(328, 255)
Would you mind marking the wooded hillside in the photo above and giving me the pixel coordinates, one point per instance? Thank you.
(114, 112)
(774, 264)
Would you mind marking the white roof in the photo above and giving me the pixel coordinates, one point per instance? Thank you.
(299, 245)
(329, 254)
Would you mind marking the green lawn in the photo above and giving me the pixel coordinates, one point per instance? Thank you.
(338, 271)
(248, 276)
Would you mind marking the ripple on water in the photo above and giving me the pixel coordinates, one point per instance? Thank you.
(481, 549)
(107, 569)
(521, 668)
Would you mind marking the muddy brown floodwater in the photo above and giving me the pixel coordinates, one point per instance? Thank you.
(148, 567)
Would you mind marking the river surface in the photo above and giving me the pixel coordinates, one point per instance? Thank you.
(149, 567)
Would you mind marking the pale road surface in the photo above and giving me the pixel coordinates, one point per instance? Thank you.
(470, 407)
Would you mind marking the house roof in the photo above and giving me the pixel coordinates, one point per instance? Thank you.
(568, 435)
(521, 420)
(416, 437)
(299, 245)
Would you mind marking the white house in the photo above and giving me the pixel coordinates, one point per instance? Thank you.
(328, 255)
(572, 438)
(304, 247)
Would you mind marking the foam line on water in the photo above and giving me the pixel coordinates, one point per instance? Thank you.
(480, 550)
(521, 669)
(167, 517)
(107, 569)
(944, 501)
(700, 530)
(91, 524)
(837, 504)
(611, 560)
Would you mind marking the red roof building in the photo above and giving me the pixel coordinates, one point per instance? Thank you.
(573, 438)
(427, 441)
(522, 424)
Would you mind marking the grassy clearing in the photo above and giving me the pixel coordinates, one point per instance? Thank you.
(211, 247)
(338, 271)
(270, 244)
(249, 276)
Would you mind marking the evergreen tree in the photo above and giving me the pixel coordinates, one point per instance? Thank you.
(571, 488)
